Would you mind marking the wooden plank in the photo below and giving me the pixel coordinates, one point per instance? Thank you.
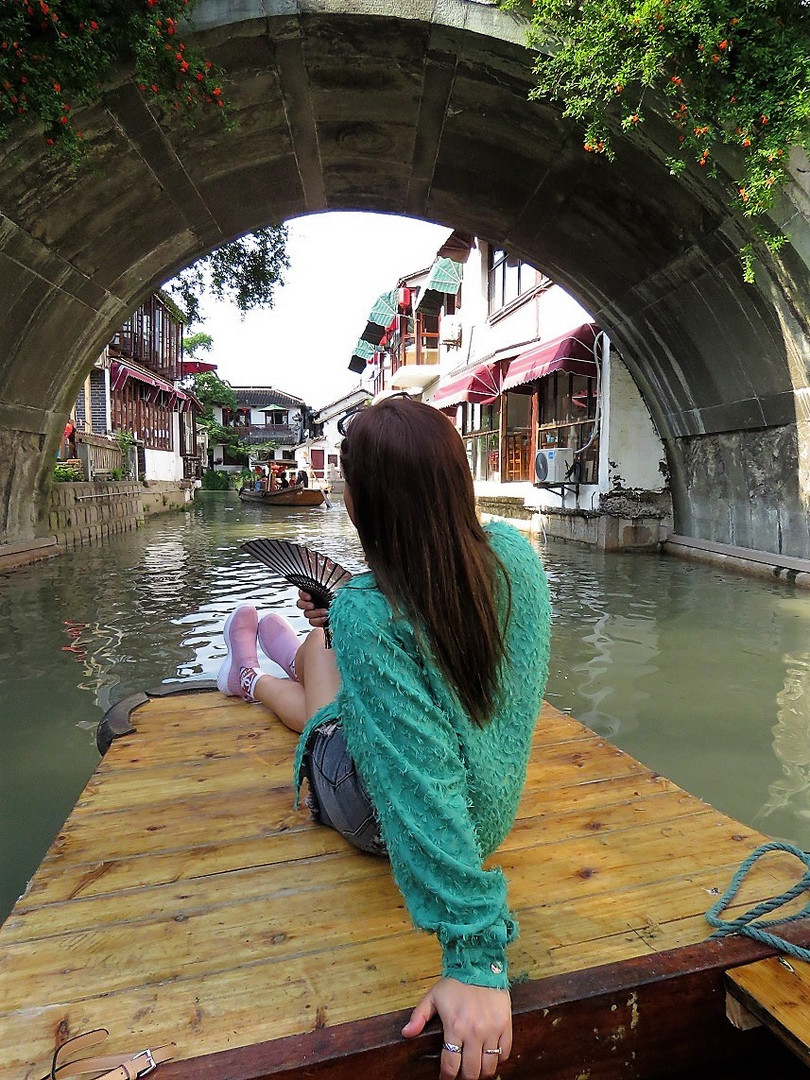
(776, 991)
(189, 822)
(184, 899)
(237, 1006)
(109, 875)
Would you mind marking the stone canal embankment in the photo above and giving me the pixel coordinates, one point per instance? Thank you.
(84, 513)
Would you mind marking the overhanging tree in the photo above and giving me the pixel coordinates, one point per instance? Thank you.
(247, 271)
(195, 343)
(734, 71)
(56, 55)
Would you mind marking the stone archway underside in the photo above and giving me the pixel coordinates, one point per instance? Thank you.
(424, 113)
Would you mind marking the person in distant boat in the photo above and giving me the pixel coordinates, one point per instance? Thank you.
(302, 478)
(283, 482)
(416, 727)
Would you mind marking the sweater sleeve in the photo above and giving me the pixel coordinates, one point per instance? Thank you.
(408, 755)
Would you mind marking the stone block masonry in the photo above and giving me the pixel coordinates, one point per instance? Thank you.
(599, 528)
(87, 513)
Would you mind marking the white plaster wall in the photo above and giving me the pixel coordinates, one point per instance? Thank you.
(165, 464)
(559, 313)
(543, 317)
(631, 439)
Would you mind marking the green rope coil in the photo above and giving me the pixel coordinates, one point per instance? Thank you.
(751, 923)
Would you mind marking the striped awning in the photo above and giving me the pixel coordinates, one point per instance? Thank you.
(572, 352)
(444, 279)
(381, 317)
(363, 352)
(480, 385)
(121, 370)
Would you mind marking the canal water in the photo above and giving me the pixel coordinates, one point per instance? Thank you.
(702, 674)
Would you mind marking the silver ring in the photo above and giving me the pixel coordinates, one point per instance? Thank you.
(451, 1048)
(498, 1050)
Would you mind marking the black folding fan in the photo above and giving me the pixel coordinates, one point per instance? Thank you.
(310, 571)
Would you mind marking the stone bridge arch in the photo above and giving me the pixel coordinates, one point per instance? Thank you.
(417, 109)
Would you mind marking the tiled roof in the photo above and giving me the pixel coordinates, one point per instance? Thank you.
(256, 396)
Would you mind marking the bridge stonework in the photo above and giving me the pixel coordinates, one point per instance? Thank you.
(421, 109)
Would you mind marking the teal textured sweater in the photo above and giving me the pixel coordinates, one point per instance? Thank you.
(446, 791)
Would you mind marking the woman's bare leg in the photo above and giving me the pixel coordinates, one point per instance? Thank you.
(285, 698)
(318, 683)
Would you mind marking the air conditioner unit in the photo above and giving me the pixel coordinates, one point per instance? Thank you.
(554, 466)
(450, 330)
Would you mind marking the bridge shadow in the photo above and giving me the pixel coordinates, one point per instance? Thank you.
(426, 116)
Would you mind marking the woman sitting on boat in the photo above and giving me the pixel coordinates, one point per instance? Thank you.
(417, 725)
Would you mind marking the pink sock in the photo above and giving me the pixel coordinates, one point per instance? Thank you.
(278, 640)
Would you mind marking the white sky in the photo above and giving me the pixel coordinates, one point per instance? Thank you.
(339, 264)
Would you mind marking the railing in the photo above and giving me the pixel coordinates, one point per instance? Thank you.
(281, 434)
(99, 454)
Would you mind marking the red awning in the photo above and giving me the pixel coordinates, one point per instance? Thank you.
(482, 386)
(197, 367)
(121, 370)
(572, 352)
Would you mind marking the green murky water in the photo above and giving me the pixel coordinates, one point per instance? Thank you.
(702, 675)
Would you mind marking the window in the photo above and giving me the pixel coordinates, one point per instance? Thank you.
(517, 438)
(418, 344)
(509, 278)
(139, 408)
(480, 426)
(567, 416)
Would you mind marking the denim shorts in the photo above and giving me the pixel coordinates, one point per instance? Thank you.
(338, 797)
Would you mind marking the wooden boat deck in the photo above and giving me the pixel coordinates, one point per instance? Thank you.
(185, 901)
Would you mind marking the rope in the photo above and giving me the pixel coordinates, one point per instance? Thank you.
(750, 923)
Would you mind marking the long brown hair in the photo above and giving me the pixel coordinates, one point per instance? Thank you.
(414, 508)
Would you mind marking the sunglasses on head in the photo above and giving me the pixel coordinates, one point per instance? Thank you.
(344, 423)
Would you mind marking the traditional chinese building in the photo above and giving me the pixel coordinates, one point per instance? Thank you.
(263, 415)
(131, 398)
(555, 428)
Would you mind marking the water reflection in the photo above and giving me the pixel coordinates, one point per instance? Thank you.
(789, 796)
(688, 668)
(702, 675)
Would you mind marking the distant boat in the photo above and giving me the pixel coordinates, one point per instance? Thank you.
(291, 496)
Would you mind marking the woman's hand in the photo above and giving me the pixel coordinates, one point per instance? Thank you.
(315, 616)
(474, 1018)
